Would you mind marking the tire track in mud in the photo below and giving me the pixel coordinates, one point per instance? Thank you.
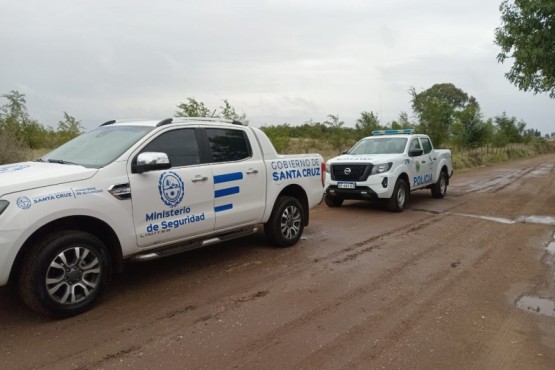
(250, 352)
(433, 289)
(496, 184)
(238, 297)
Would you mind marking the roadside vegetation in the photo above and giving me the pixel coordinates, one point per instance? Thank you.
(447, 114)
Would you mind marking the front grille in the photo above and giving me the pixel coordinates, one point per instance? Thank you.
(358, 172)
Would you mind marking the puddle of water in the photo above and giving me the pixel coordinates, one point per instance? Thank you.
(537, 305)
(551, 247)
(489, 218)
(542, 171)
(544, 220)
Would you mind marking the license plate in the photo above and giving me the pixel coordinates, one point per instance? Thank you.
(346, 185)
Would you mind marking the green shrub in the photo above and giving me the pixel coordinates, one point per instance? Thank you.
(13, 150)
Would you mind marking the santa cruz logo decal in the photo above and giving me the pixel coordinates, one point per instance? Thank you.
(23, 202)
(171, 188)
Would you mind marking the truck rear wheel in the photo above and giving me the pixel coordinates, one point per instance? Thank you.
(440, 187)
(399, 197)
(286, 223)
(65, 274)
(332, 201)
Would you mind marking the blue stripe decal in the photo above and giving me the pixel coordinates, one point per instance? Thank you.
(226, 177)
(227, 191)
(225, 207)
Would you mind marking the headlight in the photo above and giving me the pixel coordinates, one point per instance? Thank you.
(381, 168)
(328, 168)
(3, 205)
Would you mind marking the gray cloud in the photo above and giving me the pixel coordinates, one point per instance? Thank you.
(277, 61)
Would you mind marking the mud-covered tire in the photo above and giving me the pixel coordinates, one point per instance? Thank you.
(286, 223)
(64, 273)
(332, 201)
(398, 199)
(439, 189)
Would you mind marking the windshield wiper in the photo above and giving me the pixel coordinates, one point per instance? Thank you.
(60, 161)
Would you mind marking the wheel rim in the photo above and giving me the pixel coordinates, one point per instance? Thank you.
(291, 222)
(73, 275)
(401, 195)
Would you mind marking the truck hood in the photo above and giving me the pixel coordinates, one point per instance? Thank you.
(29, 175)
(364, 158)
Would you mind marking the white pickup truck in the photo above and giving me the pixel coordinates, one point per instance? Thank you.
(140, 190)
(388, 166)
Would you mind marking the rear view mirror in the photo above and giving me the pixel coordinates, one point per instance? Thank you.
(416, 152)
(151, 161)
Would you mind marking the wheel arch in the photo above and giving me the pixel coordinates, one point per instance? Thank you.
(404, 176)
(445, 169)
(297, 192)
(91, 225)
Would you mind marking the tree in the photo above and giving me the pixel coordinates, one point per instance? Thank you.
(469, 128)
(333, 121)
(367, 123)
(527, 34)
(402, 122)
(435, 109)
(228, 112)
(194, 108)
(509, 130)
(337, 135)
(13, 114)
(68, 128)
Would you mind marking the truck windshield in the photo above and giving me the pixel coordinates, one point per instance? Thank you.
(380, 145)
(98, 147)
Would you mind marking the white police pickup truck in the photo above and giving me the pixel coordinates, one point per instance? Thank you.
(139, 190)
(388, 165)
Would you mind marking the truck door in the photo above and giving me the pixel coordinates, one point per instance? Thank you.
(421, 173)
(239, 178)
(177, 203)
(430, 160)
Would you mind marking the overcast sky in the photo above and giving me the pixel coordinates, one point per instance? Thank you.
(277, 61)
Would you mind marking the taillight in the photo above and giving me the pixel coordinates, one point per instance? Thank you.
(323, 172)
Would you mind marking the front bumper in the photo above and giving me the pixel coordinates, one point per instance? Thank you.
(376, 187)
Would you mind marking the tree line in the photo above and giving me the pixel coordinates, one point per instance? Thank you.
(446, 113)
(19, 133)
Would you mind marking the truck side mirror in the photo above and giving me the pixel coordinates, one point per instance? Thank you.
(150, 161)
(416, 152)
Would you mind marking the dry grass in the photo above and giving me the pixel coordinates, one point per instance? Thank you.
(462, 159)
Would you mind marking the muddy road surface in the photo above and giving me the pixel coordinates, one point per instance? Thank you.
(464, 282)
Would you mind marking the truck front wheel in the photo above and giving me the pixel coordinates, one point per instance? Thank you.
(332, 201)
(286, 223)
(65, 273)
(399, 197)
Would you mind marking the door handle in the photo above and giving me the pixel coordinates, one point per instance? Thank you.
(252, 171)
(199, 178)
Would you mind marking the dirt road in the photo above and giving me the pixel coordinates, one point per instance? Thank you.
(465, 282)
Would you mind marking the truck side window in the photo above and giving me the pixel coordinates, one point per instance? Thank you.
(181, 146)
(414, 144)
(228, 145)
(426, 145)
